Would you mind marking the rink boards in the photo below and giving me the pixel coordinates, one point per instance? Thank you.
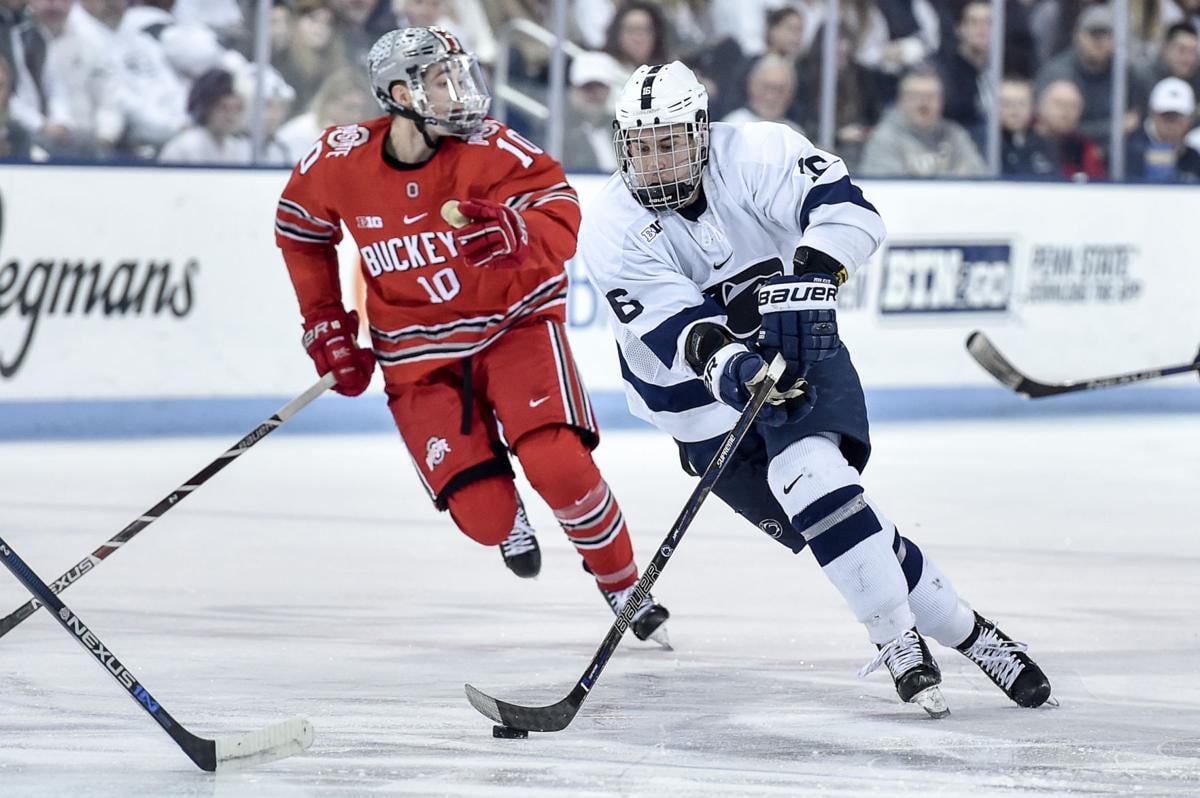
(135, 287)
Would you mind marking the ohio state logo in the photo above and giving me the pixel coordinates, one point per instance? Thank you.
(435, 452)
(345, 138)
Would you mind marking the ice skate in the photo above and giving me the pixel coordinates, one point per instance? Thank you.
(916, 674)
(1005, 662)
(648, 622)
(520, 549)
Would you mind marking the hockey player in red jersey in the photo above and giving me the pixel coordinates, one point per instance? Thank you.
(466, 323)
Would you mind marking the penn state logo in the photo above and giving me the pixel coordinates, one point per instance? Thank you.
(772, 528)
(435, 452)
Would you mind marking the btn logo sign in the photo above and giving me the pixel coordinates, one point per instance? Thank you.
(941, 278)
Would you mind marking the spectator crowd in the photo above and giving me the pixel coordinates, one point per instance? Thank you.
(175, 81)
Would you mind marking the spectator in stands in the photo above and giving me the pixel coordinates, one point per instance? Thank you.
(313, 52)
(637, 35)
(690, 21)
(1156, 153)
(913, 36)
(1088, 64)
(282, 26)
(222, 17)
(1022, 150)
(14, 140)
(216, 109)
(770, 90)
(1067, 152)
(588, 134)
(857, 96)
(341, 100)
(46, 23)
(466, 19)
(359, 23)
(745, 21)
(914, 139)
(719, 68)
(1020, 59)
(964, 69)
(1179, 56)
(12, 13)
(1188, 11)
(785, 39)
(278, 97)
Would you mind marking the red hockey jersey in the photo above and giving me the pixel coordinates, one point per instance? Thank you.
(425, 305)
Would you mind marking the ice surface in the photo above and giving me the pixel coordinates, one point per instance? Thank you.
(312, 577)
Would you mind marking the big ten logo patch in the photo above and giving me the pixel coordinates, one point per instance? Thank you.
(946, 278)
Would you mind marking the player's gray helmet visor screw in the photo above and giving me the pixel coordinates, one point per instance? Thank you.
(446, 84)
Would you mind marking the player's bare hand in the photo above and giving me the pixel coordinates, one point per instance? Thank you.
(331, 341)
(496, 236)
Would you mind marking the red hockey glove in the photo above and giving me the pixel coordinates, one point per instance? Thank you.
(330, 339)
(495, 237)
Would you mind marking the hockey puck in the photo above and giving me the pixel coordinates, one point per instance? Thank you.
(509, 733)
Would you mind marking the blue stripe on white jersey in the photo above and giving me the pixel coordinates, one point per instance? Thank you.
(677, 398)
(824, 194)
(664, 339)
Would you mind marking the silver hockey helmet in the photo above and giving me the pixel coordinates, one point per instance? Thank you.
(660, 135)
(447, 87)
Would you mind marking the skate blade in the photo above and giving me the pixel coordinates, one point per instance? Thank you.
(931, 700)
(661, 637)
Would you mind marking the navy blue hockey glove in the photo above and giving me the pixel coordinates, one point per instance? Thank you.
(799, 314)
(734, 371)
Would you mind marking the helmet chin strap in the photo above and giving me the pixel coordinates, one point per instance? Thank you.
(399, 110)
(419, 121)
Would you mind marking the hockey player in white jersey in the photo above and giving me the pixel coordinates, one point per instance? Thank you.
(718, 247)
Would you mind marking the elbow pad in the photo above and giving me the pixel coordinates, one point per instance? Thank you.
(703, 341)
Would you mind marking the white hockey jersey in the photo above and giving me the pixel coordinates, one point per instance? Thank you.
(768, 190)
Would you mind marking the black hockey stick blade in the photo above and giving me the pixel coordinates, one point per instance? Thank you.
(557, 716)
(988, 356)
(73, 574)
(273, 742)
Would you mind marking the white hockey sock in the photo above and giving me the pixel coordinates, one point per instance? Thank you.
(940, 612)
(871, 582)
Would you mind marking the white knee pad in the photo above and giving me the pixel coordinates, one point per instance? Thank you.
(810, 468)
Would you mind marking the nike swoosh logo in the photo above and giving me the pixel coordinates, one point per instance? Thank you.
(536, 402)
(412, 219)
(722, 263)
(788, 489)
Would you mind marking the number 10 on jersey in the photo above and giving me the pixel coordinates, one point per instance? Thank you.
(442, 287)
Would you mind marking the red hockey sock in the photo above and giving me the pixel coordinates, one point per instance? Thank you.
(561, 470)
(485, 510)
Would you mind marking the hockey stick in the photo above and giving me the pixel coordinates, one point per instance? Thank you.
(274, 742)
(557, 717)
(8, 622)
(987, 355)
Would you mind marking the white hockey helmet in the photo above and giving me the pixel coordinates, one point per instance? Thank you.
(660, 135)
(447, 87)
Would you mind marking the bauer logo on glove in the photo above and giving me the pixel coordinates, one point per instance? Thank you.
(813, 294)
